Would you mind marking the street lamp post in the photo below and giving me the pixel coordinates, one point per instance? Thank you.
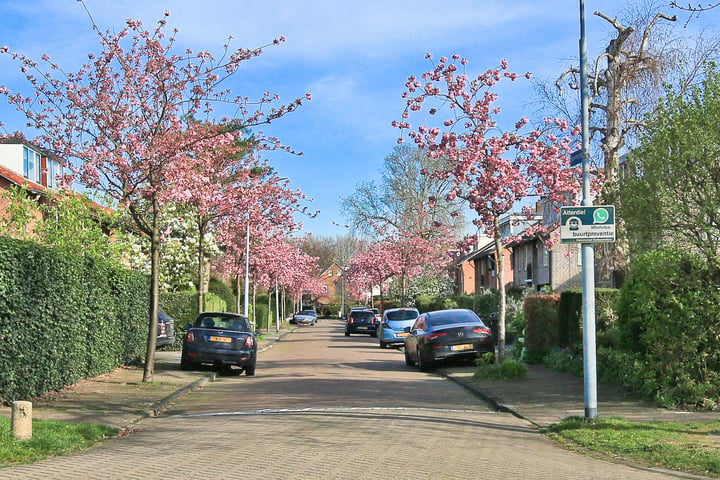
(588, 250)
(247, 269)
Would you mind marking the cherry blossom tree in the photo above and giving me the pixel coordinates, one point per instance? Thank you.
(127, 116)
(492, 169)
(368, 268)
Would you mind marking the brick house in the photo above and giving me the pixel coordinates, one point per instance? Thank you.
(25, 164)
(529, 263)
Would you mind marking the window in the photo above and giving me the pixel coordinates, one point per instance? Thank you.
(31, 165)
(54, 171)
(545, 256)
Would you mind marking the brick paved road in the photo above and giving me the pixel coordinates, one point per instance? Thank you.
(330, 407)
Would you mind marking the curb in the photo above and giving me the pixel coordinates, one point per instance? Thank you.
(162, 404)
(490, 401)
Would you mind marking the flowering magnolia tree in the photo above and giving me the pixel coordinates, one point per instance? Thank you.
(492, 169)
(127, 117)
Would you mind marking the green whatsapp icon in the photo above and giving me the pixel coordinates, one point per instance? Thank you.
(600, 215)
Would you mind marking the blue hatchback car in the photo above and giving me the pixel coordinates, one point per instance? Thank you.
(392, 329)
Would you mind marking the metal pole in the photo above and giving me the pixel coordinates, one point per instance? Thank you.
(277, 308)
(588, 251)
(247, 270)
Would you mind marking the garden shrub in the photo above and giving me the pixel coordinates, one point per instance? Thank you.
(508, 369)
(223, 291)
(669, 320)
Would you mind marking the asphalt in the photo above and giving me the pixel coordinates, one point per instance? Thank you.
(544, 397)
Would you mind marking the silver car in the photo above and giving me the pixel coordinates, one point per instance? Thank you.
(305, 317)
(392, 328)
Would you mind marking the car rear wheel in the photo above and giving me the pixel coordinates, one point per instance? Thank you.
(250, 370)
(408, 361)
(186, 364)
(424, 365)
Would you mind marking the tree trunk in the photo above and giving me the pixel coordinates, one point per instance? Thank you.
(201, 269)
(237, 289)
(149, 369)
(500, 265)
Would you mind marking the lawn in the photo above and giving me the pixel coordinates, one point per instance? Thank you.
(686, 447)
(49, 439)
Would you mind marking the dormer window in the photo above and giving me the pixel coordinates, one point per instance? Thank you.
(31, 164)
(55, 170)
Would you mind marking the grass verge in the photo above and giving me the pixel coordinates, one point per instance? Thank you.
(49, 439)
(685, 447)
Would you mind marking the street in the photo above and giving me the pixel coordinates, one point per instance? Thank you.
(323, 405)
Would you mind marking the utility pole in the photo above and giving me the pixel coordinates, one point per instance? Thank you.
(588, 249)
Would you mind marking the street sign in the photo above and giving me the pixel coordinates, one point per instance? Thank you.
(594, 224)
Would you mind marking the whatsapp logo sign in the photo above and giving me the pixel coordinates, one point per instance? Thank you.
(601, 215)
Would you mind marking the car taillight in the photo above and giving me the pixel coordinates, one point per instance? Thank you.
(385, 325)
(433, 336)
(249, 341)
(190, 337)
(351, 320)
(481, 330)
(163, 329)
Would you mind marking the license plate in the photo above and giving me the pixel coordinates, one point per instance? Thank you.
(362, 328)
(220, 339)
(403, 334)
(466, 346)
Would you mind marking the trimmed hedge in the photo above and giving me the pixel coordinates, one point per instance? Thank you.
(64, 318)
(541, 326)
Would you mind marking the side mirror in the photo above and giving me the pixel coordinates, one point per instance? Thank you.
(188, 326)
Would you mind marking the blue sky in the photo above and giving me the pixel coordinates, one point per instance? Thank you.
(353, 56)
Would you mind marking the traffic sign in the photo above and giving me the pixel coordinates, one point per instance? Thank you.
(594, 224)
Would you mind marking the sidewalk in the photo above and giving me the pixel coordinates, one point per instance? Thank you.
(546, 397)
(121, 399)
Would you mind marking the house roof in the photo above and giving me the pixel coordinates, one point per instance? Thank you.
(485, 248)
(20, 180)
(328, 271)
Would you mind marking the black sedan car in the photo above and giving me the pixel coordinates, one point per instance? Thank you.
(220, 339)
(446, 334)
(361, 321)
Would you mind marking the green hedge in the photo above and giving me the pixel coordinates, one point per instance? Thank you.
(65, 318)
(669, 323)
(570, 319)
(541, 328)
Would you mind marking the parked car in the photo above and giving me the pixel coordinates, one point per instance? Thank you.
(361, 321)
(392, 328)
(220, 339)
(165, 330)
(304, 317)
(446, 334)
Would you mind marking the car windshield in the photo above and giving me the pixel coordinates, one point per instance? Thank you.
(362, 315)
(449, 318)
(223, 322)
(401, 315)
(307, 312)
